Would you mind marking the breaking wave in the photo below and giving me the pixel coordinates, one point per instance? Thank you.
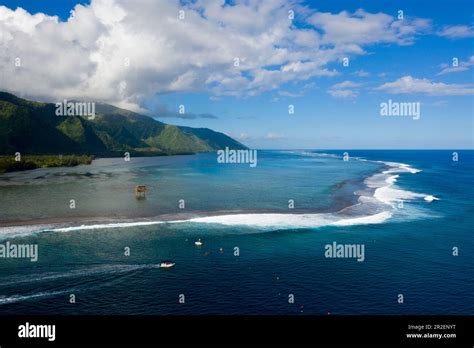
(376, 204)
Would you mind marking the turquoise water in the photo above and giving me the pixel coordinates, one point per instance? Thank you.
(281, 251)
(105, 189)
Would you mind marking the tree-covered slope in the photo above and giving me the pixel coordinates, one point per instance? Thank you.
(34, 128)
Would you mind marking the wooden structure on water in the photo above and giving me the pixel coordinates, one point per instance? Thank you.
(140, 191)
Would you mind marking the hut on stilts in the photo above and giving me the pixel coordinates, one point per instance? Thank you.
(140, 191)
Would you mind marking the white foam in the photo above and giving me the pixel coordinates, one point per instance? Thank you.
(109, 225)
(20, 231)
(399, 167)
(389, 194)
(293, 220)
(430, 198)
(312, 154)
(266, 220)
(365, 220)
(269, 220)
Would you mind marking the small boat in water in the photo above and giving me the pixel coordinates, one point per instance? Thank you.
(167, 264)
(198, 242)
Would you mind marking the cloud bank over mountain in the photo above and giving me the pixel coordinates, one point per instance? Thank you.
(123, 52)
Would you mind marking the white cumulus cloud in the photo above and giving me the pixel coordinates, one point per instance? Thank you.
(345, 89)
(461, 66)
(457, 31)
(411, 85)
(123, 52)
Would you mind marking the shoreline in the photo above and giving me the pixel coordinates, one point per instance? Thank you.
(9, 164)
(33, 162)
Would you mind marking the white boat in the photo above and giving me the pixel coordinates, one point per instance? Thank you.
(167, 264)
(198, 242)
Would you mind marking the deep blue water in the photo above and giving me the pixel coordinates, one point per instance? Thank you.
(409, 253)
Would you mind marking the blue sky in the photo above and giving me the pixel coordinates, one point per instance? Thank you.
(336, 108)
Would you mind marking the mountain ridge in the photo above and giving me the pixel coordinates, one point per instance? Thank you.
(34, 128)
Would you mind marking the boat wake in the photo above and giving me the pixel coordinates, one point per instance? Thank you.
(77, 273)
(98, 271)
(20, 298)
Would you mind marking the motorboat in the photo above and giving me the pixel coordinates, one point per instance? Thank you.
(167, 264)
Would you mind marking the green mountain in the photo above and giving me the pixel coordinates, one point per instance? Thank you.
(34, 128)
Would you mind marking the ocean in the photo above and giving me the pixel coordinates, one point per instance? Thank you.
(265, 233)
